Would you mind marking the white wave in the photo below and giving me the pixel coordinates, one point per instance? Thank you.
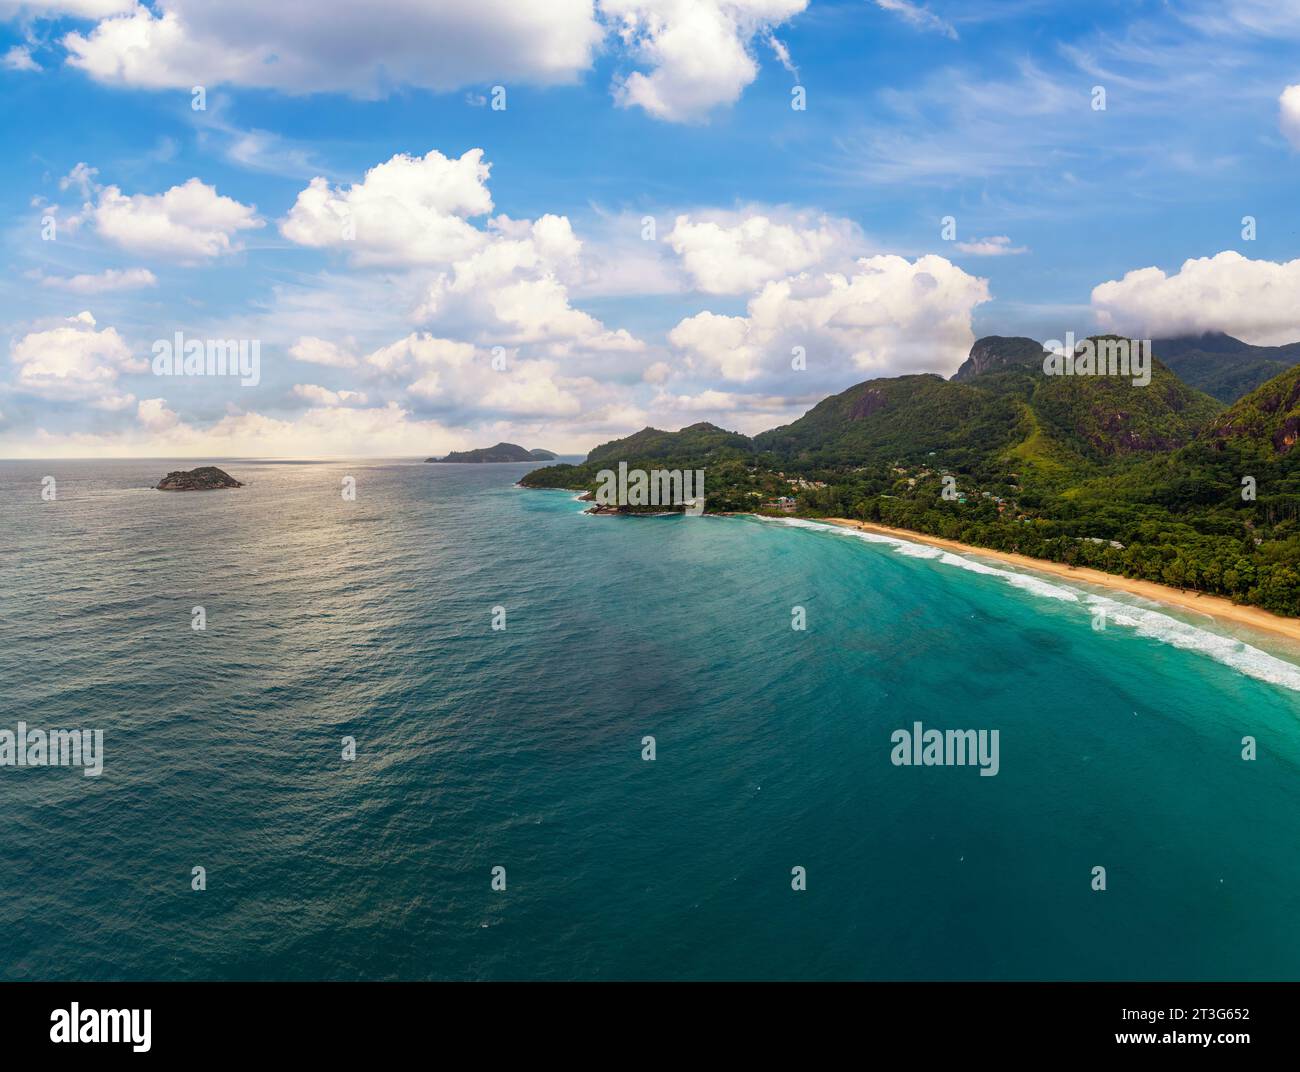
(1144, 621)
(1225, 649)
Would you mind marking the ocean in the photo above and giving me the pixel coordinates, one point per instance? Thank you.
(521, 748)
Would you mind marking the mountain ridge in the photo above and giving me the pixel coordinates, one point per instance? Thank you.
(1146, 480)
(502, 452)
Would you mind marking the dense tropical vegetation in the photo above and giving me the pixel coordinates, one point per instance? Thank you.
(1158, 482)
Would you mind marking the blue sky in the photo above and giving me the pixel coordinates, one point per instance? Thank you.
(493, 278)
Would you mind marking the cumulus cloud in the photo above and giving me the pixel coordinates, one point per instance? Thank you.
(699, 52)
(385, 431)
(339, 45)
(314, 351)
(993, 246)
(323, 396)
(514, 290)
(887, 317)
(107, 281)
(154, 416)
(449, 374)
(74, 361)
(1256, 301)
(320, 432)
(19, 58)
(1289, 119)
(190, 222)
(735, 253)
(406, 211)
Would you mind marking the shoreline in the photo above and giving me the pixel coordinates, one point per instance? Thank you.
(1216, 608)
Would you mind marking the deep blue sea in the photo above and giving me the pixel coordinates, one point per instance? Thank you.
(521, 747)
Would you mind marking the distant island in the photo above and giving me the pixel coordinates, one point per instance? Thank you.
(205, 478)
(502, 452)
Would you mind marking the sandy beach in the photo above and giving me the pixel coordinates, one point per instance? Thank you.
(1214, 607)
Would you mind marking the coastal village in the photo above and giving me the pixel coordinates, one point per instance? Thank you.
(909, 476)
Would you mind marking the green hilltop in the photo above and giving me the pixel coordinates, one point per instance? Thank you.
(1151, 481)
(1224, 367)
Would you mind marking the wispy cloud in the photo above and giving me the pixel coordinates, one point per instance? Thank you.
(920, 17)
(102, 283)
(993, 246)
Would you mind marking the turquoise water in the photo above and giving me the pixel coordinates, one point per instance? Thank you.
(522, 748)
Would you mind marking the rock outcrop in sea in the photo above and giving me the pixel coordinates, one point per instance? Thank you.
(205, 478)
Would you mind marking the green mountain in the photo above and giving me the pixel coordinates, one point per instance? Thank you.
(1000, 402)
(1156, 481)
(1111, 415)
(999, 406)
(1224, 367)
(1268, 417)
(502, 452)
(697, 442)
(698, 446)
(906, 418)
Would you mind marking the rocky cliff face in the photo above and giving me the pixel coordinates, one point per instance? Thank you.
(1270, 414)
(993, 353)
(205, 478)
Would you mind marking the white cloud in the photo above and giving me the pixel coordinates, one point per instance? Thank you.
(84, 9)
(340, 45)
(188, 222)
(154, 415)
(888, 317)
(19, 58)
(457, 375)
(407, 211)
(1289, 119)
(514, 290)
(920, 17)
(314, 351)
(658, 373)
(699, 51)
(740, 411)
(721, 342)
(82, 176)
(1256, 301)
(111, 279)
(1267, 18)
(75, 362)
(993, 246)
(735, 253)
(386, 431)
(323, 396)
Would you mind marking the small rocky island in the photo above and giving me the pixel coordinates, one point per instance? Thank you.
(502, 452)
(206, 478)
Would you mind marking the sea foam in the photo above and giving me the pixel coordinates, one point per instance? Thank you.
(1144, 621)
